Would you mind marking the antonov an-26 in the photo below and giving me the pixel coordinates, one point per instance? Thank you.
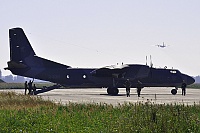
(24, 62)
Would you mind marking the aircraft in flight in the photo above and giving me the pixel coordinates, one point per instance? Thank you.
(25, 62)
(162, 45)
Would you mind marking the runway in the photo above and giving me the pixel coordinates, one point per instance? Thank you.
(151, 95)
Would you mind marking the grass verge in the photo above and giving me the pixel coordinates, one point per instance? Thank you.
(19, 113)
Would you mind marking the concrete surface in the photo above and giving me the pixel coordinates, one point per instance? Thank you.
(154, 95)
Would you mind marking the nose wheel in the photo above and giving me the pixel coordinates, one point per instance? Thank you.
(112, 91)
(174, 91)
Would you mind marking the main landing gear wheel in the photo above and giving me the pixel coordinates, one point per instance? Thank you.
(173, 91)
(112, 91)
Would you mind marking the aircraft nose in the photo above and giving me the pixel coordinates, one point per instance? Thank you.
(190, 80)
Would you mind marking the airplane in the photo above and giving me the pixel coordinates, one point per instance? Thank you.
(162, 45)
(25, 62)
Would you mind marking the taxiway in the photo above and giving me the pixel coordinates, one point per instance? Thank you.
(151, 95)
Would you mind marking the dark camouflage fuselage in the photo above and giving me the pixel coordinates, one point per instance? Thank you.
(24, 62)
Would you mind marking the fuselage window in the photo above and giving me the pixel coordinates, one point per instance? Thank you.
(67, 76)
(84, 76)
(173, 71)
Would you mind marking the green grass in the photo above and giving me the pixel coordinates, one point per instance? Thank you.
(19, 113)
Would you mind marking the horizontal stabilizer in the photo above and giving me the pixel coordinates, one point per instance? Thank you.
(13, 64)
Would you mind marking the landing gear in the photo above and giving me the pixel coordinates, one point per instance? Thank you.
(174, 91)
(112, 90)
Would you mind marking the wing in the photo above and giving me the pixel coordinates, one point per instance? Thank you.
(131, 72)
(111, 71)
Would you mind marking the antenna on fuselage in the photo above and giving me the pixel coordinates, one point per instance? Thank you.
(146, 60)
(151, 64)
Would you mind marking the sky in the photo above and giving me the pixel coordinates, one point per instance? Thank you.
(98, 33)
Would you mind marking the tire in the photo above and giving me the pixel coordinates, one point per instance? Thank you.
(112, 91)
(115, 91)
(173, 91)
(109, 91)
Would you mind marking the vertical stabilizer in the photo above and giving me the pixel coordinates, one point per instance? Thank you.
(20, 47)
(24, 62)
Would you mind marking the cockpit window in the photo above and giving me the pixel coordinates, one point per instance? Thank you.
(173, 71)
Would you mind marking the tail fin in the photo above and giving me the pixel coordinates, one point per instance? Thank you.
(24, 62)
(20, 47)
